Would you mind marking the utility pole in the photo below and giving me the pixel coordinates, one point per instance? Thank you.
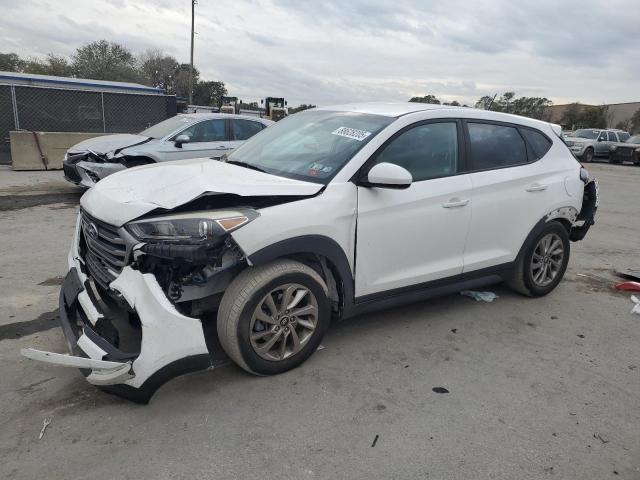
(193, 17)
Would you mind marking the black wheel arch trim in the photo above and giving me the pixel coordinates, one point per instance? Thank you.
(318, 245)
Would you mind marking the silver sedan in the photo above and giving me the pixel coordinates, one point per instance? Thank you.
(176, 138)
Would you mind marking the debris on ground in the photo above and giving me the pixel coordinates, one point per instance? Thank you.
(600, 437)
(45, 424)
(632, 273)
(375, 440)
(628, 286)
(636, 307)
(440, 390)
(479, 296)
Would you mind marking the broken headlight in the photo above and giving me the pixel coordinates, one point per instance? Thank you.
(190, 228)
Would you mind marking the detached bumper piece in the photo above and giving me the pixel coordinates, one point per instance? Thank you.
(167, 343)
(590, 202)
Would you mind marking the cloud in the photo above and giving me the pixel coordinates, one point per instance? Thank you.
(335, 51)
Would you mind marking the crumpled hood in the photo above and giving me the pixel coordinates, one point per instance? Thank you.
(126, 195)
(108, 143)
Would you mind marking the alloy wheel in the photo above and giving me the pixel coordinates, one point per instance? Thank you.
(283, 322)
(547, 259)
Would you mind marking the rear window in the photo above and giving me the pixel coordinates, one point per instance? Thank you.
(538, 142)
(495, 146)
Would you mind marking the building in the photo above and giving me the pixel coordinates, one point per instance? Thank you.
(47, 103)
(617, 113)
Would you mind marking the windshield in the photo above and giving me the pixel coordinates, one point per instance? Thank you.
(164, 128)
(311, 146)
(586, 133)
(623, 136)
(635, 139)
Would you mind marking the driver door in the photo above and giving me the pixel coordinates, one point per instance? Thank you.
(602, 144)
(207, 138)
(415, 235)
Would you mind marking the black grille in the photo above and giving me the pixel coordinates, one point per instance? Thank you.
(71, 173)
(105, 252)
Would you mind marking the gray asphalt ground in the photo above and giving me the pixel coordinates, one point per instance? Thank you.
(537, 388)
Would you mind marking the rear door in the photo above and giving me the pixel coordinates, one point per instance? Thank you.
(416, 235)
(207, 138)
(511, 191)
(242, 130)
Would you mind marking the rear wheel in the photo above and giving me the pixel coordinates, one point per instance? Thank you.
(544, 260)
(273, 317)
(587, 156)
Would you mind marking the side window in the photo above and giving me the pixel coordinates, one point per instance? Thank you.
(539, 143)
(206, 131)
(244, 129)
(427, 151)
(495, 146)
(612, 137)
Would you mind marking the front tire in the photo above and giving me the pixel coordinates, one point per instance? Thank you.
(587, 156)
(272, 317)
(541, 266)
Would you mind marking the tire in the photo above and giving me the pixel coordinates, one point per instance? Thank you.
(524, 276)
(587, 156)
(247, 322)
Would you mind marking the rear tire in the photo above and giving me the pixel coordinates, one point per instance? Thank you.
(543, 262)
(272, 317)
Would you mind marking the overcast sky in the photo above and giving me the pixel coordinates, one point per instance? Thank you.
(332, 51)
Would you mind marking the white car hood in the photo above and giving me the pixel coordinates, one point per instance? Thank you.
(108, 143)
(126, 195)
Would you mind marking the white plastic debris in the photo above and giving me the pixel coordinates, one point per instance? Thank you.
(636, 307)
(45, 424)
(479, 296)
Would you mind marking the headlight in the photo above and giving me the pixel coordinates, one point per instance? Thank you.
(191, 228)
(569, 143)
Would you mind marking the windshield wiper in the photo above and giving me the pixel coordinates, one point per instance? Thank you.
(245, 165)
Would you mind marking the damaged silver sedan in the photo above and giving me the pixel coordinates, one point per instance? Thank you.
(183, 136)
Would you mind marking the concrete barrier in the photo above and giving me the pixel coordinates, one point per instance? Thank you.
(25, 154)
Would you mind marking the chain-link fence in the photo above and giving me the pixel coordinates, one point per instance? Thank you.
(59, 110)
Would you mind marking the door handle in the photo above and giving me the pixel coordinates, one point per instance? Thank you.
(537, 187)
(455, 202)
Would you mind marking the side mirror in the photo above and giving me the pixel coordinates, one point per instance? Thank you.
(388, 175)
(180, 139)
(600, 139)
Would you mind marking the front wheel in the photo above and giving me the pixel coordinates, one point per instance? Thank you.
(273, 317)
(544, 260)
(587, 156)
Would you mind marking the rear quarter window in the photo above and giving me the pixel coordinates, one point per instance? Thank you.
(538, 142)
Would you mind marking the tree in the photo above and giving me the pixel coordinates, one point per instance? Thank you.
(594, 117)
(208, 93)
(635, 122)
(249, 106)
(426, 99)
(103, 60)
(484, 103)
(572, 116)
(11, 62)
(181, 80)
(533, 107)
(159, 69)
(624, 125)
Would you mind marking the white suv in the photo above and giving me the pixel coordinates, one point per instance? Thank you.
(330, 213)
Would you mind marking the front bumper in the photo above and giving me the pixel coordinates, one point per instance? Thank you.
(169, 343)
(87, 174)
(578, 149)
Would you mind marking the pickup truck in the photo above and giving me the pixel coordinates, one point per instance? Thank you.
(587, 143)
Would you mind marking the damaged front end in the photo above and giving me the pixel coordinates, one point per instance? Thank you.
(138, 303)
(87, 168)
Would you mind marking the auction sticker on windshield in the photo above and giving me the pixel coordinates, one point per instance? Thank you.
(352, 133)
